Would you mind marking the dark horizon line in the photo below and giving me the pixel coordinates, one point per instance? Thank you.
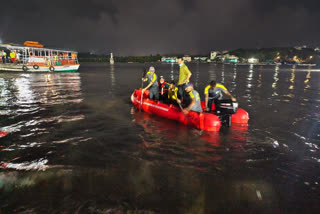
(192, 55)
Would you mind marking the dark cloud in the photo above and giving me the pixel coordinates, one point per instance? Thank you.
(92, 9)
(169, 26)
(188, 5)
(294, 5)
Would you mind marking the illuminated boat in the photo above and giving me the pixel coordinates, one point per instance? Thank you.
(33, 57)
(205, 121)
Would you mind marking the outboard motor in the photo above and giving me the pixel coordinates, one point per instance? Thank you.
(224, 110)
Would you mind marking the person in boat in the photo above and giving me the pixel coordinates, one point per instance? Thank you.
(184, 76)
(18, 57)
(13, 56)
(4, 57)
(163, 90)
(172, 93)
(214, 92)
(195, 104)
(153, 87)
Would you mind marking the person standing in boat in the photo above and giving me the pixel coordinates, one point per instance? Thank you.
(1, 55)
(195, 104)
(18, 57)
(163, 90)
(214, 92)
(4, 57)
(153, 87)
(184, 76)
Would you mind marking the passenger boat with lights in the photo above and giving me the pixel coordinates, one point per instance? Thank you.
(226, 113)
(33, 57)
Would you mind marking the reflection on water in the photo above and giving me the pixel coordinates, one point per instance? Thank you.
(197, 74)
(308, 76)
(113, 80)
(234, 79)
(76, 145)
(293, 75)
(276, 79)
(171, 72)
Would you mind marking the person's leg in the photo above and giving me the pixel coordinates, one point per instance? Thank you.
(151, 95)
(161, 98)
(156, 92)
(165, 97)
(210, 101)
(216, 105)
(181, 91)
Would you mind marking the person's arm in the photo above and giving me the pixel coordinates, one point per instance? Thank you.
(188, 76)
(206, 97)
(150, 84)
(230, 96)
(175, 94)
(187, 109)
(206, 101)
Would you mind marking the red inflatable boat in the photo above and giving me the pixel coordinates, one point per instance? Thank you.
(204, 121)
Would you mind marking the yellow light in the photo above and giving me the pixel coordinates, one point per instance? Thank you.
(311, 57)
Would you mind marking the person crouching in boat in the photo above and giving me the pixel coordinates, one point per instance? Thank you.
(153, 87)
(213, 93)
(195, 104)
(172, 93)
(163, 90)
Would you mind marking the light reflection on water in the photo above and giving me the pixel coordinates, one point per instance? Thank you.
(80, 129)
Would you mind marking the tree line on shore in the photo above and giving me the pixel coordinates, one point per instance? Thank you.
(85, 57)
(306, 55)
(281, 54)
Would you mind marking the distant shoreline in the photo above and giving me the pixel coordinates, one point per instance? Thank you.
(219, 63)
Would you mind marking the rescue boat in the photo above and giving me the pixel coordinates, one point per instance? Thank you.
(204, 121)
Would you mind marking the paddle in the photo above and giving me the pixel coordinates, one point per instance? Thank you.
(183, 112)
(143, 74)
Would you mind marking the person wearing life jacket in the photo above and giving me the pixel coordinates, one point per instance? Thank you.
(195, 104)
(214, 92)
(13, 56)
(172, 93)
(184, 76)
(163, 90)
(55, 59)
(153, 87)
(1, 55)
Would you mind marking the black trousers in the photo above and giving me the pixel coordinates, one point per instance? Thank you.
(154, 93)
(181, 90)
(211, 101)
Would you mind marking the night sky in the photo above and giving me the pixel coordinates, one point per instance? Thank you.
(143, 27)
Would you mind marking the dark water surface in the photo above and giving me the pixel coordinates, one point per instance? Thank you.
(76, 145)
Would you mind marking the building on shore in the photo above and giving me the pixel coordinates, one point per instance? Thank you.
(111, 59)
(253, 60)
(187, 58)
(214, 54)
(200, 58)
(169, 59)
(230, 58)
(300, 47)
